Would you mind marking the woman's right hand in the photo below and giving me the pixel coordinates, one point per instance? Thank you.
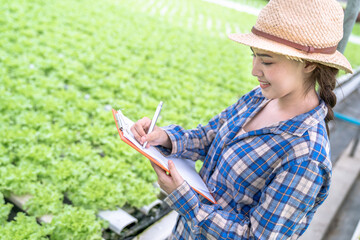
(157, 137)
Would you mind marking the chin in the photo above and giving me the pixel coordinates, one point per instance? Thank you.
(267, 94)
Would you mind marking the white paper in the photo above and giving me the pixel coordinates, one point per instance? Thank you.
(185, 167)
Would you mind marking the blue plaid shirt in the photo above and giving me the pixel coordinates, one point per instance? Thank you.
(268, 183)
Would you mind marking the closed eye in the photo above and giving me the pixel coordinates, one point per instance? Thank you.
(262, 62)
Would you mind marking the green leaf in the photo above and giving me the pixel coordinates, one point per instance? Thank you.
(76, 223)
(24, 228)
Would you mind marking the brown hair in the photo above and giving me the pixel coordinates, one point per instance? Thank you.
(324, 77)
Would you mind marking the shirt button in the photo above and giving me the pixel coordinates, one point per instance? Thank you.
(213, 189)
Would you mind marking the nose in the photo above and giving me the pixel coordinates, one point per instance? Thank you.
(256, 70)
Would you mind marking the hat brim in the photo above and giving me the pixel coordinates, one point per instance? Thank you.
(336, 60)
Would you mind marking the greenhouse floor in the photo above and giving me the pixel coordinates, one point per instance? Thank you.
(345, 222)
(343, 132)
(348, 216)
(338, 217)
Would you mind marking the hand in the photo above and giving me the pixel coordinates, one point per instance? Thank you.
(157, 137)
(168, 182)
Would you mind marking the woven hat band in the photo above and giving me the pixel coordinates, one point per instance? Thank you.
(308, 49)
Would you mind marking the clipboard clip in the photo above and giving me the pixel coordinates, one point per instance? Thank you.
(121, 121)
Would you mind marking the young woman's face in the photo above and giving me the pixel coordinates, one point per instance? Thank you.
(278, 76)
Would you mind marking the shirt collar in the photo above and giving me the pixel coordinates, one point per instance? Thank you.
(303, 122)
(298, 125)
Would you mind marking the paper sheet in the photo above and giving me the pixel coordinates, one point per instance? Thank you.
(185, 167)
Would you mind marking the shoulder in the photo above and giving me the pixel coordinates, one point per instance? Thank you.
(243, 103)
(307, 135)
(319, 144)
(252, 97)
(255, 93)
(313, 146)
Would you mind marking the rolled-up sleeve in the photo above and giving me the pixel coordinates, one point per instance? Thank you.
(195, 143)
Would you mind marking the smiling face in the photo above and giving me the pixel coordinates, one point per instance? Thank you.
(279, 77)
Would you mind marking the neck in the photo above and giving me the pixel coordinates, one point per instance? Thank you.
(297, 104)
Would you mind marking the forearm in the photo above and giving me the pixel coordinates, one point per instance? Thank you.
(192, 144)
(208, 221)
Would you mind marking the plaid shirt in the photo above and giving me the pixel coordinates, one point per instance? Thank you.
(268, 183)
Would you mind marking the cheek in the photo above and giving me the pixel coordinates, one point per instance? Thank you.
(283, 75)
(275, 76)
(282, 81)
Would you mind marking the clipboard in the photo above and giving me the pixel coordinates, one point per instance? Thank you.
(185, 167)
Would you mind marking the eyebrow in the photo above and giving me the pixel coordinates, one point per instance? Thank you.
(261, 54)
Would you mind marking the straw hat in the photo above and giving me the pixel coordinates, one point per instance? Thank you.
(300, 29)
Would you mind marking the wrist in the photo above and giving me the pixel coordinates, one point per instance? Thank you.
(166, 140)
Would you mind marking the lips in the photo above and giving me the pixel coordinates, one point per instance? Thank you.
(264, 84)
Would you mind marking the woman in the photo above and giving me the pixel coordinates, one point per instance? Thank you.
(266, 157)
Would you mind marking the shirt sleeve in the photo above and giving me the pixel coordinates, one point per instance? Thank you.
(284, 206)
(195, 143)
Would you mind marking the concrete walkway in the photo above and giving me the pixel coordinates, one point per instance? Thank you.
(345, 173)
(354, 39)
(236, 6)
(336, 219)
(345, 222)
(161, 229)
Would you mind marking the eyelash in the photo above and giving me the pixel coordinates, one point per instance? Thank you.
(264, 63)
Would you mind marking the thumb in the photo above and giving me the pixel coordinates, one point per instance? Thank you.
(150, 138)
(153, 138)
(174, 173)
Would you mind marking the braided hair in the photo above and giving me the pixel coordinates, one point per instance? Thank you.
(324, 78)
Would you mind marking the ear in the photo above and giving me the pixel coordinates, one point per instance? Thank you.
(309, 67)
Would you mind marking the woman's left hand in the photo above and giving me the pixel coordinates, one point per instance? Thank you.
(168, 182)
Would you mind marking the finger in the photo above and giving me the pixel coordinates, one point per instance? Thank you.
(156, 137)
(152, 138)
(139, 128)
(174, 173)
(159, 171)
(145, 122)
(163, 177)
(135, 133)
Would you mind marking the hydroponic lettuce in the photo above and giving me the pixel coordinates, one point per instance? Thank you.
(96, 187)
(70, 224)
(18, 179)
(24, 228)
(4, 210)
(62, 70)
(46, 199)
(76, 224)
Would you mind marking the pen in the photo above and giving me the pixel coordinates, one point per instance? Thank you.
(154, 119)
